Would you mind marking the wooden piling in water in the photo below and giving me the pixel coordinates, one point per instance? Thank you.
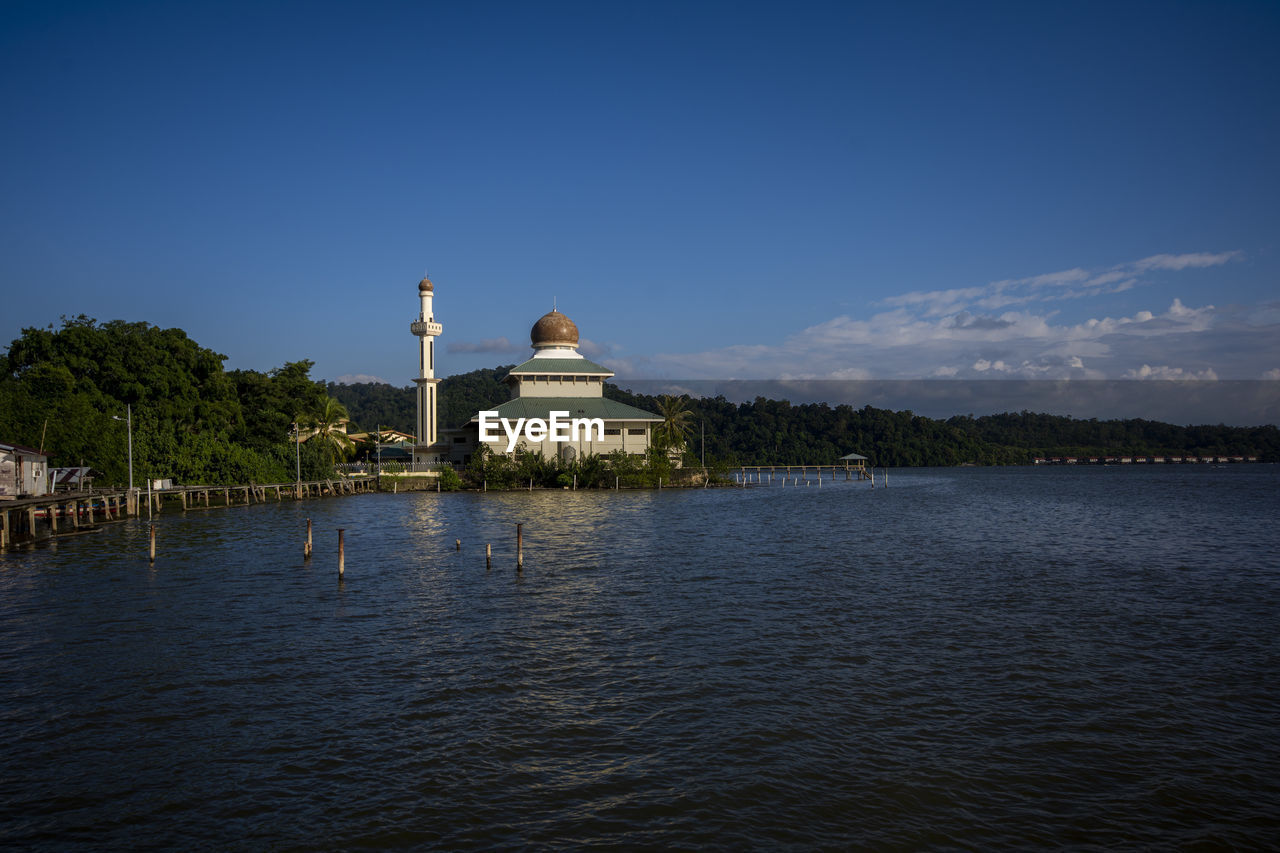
(153, 542)
(457, 544)
(306, 549)
(519, 548)
(488, 556)
(342, 557)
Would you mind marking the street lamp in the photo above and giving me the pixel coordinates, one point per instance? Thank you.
(128, 420)
(297, 451)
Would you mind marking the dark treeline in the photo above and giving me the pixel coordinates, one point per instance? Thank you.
(61, 391)
(374, 404)
(772, 431)
(766, 432)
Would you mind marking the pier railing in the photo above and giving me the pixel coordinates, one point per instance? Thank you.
(373, 468)
(30, 519)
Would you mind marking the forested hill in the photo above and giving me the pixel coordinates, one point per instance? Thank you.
(775, 431)
(373, 404)
(70, 392)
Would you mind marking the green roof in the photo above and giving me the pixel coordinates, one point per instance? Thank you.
(577, 407)
(561, 366)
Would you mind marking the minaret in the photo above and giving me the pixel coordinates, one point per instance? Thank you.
(426, 328)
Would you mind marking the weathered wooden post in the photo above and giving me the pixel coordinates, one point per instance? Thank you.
(519, 548)
(153, 542)
(531, 484)
(306, 549)
(488, 556)
(457, 544)
(31, 522)
(341, 554)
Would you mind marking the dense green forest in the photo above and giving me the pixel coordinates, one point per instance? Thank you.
(66, 391)
(374, 404)
(62, 391)
(765, 432)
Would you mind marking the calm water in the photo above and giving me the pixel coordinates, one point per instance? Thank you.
(971, 658)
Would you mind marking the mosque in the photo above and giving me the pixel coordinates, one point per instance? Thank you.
(556, 379)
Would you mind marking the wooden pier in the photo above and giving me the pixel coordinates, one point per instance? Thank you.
(765, 474)
(28, 520)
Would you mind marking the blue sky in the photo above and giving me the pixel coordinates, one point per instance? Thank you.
(710, 190)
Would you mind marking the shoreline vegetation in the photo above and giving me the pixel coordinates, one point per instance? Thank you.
(66, 392)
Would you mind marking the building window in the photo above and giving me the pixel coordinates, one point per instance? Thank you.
(459, 439)
(608, 431)
(635, 431)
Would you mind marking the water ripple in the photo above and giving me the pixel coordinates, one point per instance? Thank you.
(970, 658)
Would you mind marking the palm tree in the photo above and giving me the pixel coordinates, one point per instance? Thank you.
(670, 434)
(330, 425)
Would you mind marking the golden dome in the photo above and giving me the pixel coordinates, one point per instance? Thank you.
(425, 286)
(554, 329)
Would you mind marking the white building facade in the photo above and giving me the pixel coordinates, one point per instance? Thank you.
(558, 381)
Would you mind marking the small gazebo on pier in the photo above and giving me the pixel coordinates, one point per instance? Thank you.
(856, 462)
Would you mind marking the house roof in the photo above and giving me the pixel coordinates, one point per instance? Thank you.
(579, 366)
(26, 451)
(852, 457)
(577, 407)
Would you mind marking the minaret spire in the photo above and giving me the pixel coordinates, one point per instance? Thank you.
(426, 329)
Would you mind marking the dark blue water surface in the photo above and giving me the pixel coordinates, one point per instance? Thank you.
(972, 658)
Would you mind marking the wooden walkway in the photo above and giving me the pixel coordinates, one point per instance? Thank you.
(28, 520)
(765, 474)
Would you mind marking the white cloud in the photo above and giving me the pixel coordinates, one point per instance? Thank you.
(955, 333)
(359, 379)
(591, 349)
(1166, 372)
(1188, 261)
(1273, 373)
(1072, 283)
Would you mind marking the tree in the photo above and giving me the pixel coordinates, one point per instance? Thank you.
(676, 423)
(328, 425)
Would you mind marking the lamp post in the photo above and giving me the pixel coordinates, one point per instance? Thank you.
(128, 419)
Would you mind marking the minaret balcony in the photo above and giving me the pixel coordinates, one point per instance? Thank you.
(423, 328)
